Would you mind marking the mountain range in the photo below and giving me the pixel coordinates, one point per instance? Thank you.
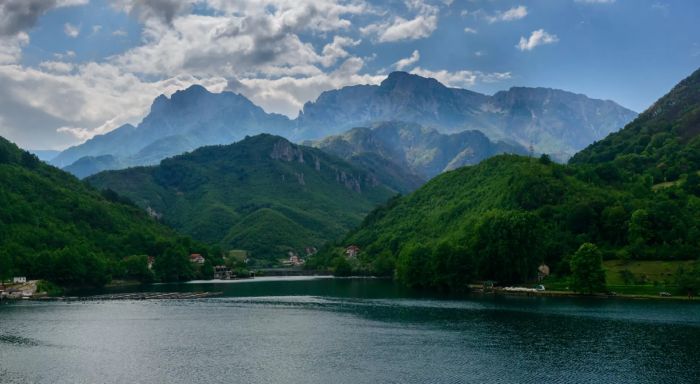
(263, 194)
(549, 121)
(422, 151)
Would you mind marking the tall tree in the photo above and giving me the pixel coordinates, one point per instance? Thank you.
(587, 274)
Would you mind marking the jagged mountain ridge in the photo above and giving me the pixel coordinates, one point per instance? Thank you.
(552, 121)
(419, 150)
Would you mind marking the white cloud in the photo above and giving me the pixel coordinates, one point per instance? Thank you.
(463, 78)
(515, 13)
(537, 38)
(469, 30)
(11, 47)
(57, 66)
(71, 30)
(96, 28)
(336, 49)
(119, 32)
(408, 61)
(399, 28)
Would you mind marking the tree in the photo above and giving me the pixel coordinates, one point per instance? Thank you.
(412, 267)
(341, 267)
(5, 267)
(587, 274)
(507, 245)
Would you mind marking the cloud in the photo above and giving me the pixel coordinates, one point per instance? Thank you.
(161, 10)
(537, 38)
(19, 15)
(71, 30)
(595, 1)
(336, 49)
(515, 13)
(406, 62)
(11, 47)
(93, 97)
(399, 28)
(57, 66)
(469, 30)
(288, 94)
(119, 32)
(463, 78)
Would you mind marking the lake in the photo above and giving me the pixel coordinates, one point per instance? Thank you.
(324, 330)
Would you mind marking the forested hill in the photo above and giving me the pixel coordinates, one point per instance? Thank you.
(262, 194)
(52, 226)
(499, 219)
(663, 142)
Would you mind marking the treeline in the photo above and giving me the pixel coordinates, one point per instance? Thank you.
(500, 219)
(54, 227)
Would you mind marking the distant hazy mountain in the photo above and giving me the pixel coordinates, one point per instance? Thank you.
(419, 150)
(44, 154)
(263, 194)
(188, 120)
(551, 121)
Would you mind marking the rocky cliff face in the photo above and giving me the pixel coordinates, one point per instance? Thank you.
(418, 150)
(552, 121)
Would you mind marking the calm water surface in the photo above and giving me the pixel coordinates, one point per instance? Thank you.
(348, 331)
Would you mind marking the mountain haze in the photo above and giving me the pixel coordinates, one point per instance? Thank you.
(551, 121)
(419, 150)
(191, 118)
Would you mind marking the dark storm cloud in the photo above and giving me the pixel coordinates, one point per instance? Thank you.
(18, 15)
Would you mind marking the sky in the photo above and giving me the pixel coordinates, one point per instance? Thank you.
(71, 69)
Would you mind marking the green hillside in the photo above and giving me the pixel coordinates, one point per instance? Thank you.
(54, 227)
(500, 219)
(662, 142)
(262, 194)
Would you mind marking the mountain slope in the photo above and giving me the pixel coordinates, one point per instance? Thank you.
(55, 227)
(419, 150)
(663, 142)
(499, 219)
(553, 121)
(262, 194)
(189, 119)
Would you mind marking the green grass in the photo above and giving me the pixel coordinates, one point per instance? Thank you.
(642, 272)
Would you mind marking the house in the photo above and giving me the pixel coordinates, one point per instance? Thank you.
(19, 280)
(151, 260)
(352, 251)
(542, 271)
(294, 259)
(222, 272)
(197, 258)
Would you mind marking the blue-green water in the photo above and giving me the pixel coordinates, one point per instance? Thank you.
(348, 331)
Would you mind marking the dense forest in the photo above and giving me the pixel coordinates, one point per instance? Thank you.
(500, 219)
(55, 227)
(262, 194)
